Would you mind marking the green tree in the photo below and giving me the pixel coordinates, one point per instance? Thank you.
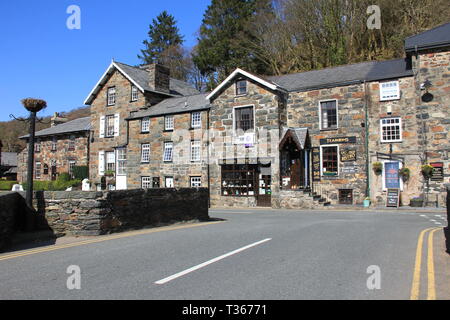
(164, 45)
(223, 38)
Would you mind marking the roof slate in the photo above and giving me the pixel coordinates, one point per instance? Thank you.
(175, 105)
(434, 38)
(9, 159)
(343, 75)
(177, 87)
(77, 125)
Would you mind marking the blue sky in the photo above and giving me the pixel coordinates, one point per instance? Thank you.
(42, 58)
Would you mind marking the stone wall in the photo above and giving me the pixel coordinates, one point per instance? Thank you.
(270, 113)
(181, 168)
(12, 216)
(123, 106)
(97, 213)
(303, 112)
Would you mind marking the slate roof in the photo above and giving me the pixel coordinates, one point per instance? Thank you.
(434, 38)
(9, 159)
(343, 75)
(140, 78)
(175, 105)
(298, 134)
(77, 125)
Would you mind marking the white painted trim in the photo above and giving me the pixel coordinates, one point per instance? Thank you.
(244, 73)
(88, 101)
(338, 159)
(337, 114)
(398, 90)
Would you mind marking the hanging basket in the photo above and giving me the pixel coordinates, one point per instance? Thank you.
(377, 168)
(34, 105)
(427, 171)
(404, 173)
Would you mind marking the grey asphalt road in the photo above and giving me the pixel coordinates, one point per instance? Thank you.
(310, 255)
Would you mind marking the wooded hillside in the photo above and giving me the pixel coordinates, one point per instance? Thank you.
(10, 131)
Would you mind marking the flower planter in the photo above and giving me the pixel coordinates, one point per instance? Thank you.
(416, 203)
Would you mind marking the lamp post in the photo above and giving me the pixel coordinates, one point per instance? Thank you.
(33, 106)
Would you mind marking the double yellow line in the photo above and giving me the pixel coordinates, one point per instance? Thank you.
(100, 239)
(415, 290)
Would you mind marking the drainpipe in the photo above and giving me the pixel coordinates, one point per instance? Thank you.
(208, 157)
(367, 140)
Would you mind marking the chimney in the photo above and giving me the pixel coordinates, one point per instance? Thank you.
(159, 77)
(56, 120)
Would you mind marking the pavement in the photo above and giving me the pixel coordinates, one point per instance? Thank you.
(247, 254)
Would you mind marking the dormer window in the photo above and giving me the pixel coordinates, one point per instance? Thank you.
(241, 87)
(111, 96)
(134, 93)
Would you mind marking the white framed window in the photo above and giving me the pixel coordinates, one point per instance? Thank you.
(146, 182)
(196, 120)
(72, 164)
(71, 146)
(329, 160)
(169, 182)
(389, 91)
(391, 130)
(241, 87)
(111, 96)
(328, 114)
(145, 125)
(121, 161)
(168, 123)
(37, 146)
(196, 182)
(54, 144)
(196, 150)
(111, 161)
(145, 153)
(37, 170)
(134, 93)
(110, 125)
(168, 152)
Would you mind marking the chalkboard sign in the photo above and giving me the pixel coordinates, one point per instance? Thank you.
(438, 172)
(393, 198)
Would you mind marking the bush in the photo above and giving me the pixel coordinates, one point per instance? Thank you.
(64, 177)
(57, 185)
(7, 185)
(81, 173)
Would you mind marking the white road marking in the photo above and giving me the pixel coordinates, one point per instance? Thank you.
(182, 273)
(424, 216)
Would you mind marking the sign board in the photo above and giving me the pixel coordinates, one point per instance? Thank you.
(438, 172)
(248, 139)
(393, 198)
(316, 164)
(348, 155)
(341, 140)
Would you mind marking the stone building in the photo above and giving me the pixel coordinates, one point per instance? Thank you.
(57, 149)
(301, 140)
(122, 92)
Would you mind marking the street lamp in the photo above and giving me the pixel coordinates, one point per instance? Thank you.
(34, 106)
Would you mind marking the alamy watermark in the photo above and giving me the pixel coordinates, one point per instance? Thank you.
(374, 281)
(74, 20)
(74, 280)
(374, 20)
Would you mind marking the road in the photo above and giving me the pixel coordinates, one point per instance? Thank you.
(250, 255)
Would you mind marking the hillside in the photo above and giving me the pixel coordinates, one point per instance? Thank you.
(11, 130)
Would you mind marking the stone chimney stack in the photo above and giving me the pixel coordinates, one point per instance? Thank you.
(56, 120)
(158, 77)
